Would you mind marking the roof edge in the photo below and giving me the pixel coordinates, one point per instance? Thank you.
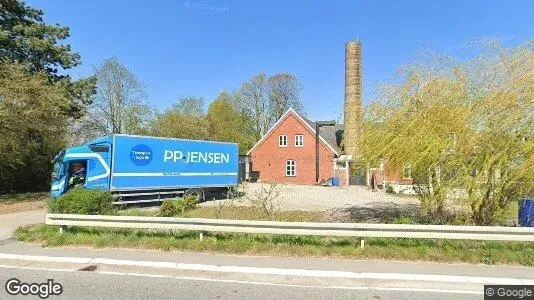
(302, 120)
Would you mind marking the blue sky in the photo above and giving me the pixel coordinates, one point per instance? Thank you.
(202, 47)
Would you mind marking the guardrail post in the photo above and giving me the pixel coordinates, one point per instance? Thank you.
(62, 228)
(362, 243)
(201, 235)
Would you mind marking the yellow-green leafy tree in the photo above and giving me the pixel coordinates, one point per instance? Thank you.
(32, 127)
(464, 129)
(226, 124)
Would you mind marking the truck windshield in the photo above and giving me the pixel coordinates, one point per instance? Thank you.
(57, 162)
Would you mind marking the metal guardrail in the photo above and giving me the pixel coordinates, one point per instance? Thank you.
(361, 230)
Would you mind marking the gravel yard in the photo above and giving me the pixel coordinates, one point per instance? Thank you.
(352, 203)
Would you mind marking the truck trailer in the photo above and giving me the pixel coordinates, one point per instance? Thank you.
(142, 168)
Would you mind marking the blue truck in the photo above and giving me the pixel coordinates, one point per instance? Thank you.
(141, 168)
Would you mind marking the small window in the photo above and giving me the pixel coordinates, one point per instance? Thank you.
(291, 166)
(99, 148)
(299, 140)
(282, 141)
(341, 165)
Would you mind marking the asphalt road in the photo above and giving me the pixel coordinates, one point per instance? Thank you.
(87, 285)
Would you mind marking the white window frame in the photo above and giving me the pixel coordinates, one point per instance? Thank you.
(282, 138)
(297, 136)
(291, 168)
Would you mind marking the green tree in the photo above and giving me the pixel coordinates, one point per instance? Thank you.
(185, 119)
(26, 38)
(465, 130)
(31, 126)
(226, 124)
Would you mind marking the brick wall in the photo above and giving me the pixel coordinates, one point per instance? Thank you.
(270, 159)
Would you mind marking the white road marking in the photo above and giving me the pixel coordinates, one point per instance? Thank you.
(340, 287)
(274, 271)
(35, 268)
(42, 258)
(137, 263)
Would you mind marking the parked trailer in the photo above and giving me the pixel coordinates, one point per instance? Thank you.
(142, 168)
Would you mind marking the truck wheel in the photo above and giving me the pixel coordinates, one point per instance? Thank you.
(197, 193)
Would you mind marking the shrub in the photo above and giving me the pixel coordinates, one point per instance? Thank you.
(189, 203)
(167, 208)
(173, 207)
(83, 202)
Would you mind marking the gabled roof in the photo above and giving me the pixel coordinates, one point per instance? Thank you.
(328, 134)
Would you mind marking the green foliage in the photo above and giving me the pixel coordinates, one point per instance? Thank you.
(174, 207)
(31, 127)
(465, 129)
(84, 202)
(226, 124)
(188, 203)
(27, 39)
(184, 120)
(35, 98)
(168, 209)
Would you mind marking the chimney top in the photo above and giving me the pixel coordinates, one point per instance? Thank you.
(352, 43)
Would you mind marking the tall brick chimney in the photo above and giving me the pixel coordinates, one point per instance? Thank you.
(353, 97)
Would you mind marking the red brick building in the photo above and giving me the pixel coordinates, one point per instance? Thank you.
(286, 153)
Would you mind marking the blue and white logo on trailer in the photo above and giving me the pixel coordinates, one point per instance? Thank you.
(161, 163)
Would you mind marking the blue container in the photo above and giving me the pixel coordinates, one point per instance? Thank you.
(335, 181)
(526, 212)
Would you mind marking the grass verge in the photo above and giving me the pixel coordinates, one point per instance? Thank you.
(513, 253)
(252, 213)
(232, 212)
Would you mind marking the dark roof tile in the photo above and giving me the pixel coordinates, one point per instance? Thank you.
(331, 134)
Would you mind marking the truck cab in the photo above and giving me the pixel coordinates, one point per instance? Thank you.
(86, 165)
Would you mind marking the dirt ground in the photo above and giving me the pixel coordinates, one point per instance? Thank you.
(22, 202)
(352, 203)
